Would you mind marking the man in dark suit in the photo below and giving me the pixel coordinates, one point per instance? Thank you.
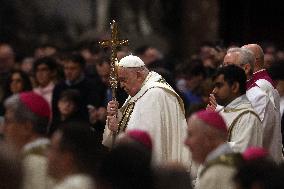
(90, 89)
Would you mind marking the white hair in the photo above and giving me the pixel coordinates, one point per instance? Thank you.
(245, 56)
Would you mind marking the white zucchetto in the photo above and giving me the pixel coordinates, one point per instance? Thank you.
(131, 61)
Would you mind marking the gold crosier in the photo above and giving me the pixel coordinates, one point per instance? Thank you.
(113, 43)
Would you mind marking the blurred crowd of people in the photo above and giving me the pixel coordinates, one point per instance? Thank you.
(53, 112)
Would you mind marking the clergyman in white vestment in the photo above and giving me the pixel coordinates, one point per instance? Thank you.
(265, 103)
(265, 99)
(243, 123)
(152, 106)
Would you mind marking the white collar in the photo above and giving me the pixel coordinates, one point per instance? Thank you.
(220, 150)
(76, 180)
(35, 143)
(237, 101)
(151, 77)
(259, 71)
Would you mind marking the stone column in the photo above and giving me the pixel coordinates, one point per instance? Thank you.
(200, 23)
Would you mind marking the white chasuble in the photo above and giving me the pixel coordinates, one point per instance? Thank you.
(158, 110)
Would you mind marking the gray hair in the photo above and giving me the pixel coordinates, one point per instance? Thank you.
(22, 114)
(245, 56)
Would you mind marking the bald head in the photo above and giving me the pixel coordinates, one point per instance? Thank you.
(259, 55)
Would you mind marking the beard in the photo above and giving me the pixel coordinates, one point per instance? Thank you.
(222, 102)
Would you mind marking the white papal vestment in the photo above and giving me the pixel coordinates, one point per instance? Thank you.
(157, 109)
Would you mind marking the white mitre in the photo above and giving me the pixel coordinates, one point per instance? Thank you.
(131, 61)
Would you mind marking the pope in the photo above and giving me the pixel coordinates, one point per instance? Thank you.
(152, 106)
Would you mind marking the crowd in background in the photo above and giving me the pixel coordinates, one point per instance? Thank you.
(191, 77)
(75, 83)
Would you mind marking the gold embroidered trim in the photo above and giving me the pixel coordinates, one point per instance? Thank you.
(39, 150)
(129, 107)
(163, 81)
(233, 110)
(231, 127)
(231, 160)
(172, 91)
(127, 111)
(126, 116)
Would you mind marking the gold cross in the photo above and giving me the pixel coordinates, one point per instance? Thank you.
(113, 43)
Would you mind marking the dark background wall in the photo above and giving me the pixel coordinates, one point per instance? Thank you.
(252, 21)
(177, 27)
